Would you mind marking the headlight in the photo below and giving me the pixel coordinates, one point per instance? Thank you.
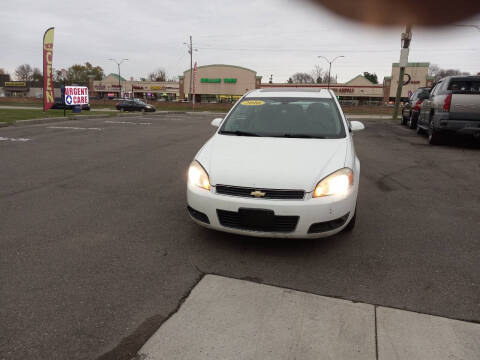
(337, 183)
(198, 176)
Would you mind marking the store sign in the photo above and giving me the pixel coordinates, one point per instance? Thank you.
(16, 83)
(211, 81)
(156, 87)
(76, 95)
(218, 80)
(100, 87)
(344, 90)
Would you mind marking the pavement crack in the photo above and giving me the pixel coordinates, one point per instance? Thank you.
(129, 347)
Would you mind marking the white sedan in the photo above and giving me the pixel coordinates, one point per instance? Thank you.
(282, 164)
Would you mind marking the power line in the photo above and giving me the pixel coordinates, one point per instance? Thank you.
(346, 51)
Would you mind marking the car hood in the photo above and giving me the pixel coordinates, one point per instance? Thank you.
(274, 163)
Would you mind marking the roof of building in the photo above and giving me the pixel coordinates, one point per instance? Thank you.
(360, 77)
(413, 64)
(225, 65)
(115, 76)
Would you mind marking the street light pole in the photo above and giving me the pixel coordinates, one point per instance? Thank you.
(330, 66)
(119, 83)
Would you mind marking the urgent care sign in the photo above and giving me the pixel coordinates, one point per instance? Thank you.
(76, 95)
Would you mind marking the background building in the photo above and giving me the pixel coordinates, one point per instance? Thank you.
(219, 82)
(109, 87)
(357, 91)
(418, 72)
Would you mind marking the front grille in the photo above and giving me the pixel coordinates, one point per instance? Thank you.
(328, 225)
(198, 215)
(269, 193)
(282, 224)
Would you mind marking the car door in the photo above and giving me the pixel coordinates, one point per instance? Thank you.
(131, 105)
(407, 110)
(427, 106)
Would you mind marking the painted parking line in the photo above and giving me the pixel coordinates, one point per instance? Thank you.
(72, 128)
(127, 122)
(14, 139)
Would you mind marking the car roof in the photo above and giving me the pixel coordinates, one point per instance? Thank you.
(290, 92)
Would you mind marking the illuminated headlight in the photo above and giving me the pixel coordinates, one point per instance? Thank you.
(198, 176)
(337, 183)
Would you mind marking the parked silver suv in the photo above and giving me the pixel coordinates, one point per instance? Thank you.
(453, 106)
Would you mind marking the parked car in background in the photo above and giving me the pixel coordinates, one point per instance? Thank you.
(59, 104)
(411, 109)
(453, 107)
(134, 105)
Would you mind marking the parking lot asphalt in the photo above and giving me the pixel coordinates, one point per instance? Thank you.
(97, 249)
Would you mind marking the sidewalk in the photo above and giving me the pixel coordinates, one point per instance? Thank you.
(226, 319)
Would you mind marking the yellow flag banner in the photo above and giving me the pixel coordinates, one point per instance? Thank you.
(48, 89)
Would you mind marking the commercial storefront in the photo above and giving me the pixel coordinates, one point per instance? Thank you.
(357, 91)
(111, 87)
(416, 75)
(219, 83)
(20, 88)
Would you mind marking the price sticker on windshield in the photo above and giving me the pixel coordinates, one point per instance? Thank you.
(253, 102)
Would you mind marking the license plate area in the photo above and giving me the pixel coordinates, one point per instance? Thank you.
(257, 219)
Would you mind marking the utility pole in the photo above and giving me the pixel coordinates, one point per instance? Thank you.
(406, 39)
(190, 51)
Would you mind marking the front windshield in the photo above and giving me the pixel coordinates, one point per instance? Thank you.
(285, 117)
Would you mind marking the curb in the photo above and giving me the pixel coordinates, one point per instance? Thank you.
(4, 124)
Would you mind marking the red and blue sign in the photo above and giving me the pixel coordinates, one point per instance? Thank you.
(76, 95)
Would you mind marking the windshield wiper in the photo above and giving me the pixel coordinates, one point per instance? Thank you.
(238, 133)
(303, 136)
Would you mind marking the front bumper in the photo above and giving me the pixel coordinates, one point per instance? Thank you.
(309, 210)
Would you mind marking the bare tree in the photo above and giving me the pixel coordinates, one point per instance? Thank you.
(318, 74)
(37, 75)
(438, 73)
(302, 78)
(3, 72)
(158, 75)
(24, 72)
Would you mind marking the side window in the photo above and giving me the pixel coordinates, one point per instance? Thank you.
(435, 89)
(415, 95)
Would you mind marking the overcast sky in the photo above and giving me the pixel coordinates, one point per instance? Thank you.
(276, 37)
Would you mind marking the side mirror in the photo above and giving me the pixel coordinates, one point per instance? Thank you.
(216, 122)
(356, 126)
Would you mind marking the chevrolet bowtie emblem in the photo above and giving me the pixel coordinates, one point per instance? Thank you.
(258, 193)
